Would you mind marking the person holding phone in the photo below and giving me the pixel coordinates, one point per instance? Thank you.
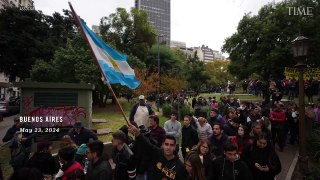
(262, 159)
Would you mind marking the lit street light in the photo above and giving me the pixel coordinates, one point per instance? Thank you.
(300, 50)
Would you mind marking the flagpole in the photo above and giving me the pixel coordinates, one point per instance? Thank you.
(96, 60)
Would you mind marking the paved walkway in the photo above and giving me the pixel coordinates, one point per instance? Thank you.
(286, 159)
(5, 125)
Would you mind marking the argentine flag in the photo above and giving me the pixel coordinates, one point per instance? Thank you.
(113, 64)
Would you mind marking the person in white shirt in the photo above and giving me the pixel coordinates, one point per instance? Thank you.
(140, 113)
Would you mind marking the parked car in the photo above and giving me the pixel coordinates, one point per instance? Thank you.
(9, 107)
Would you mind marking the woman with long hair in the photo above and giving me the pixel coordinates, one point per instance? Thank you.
(242, 139)
(262, 159)
(206, 157)
(194, 166)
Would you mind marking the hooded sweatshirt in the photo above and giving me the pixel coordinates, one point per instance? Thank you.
(224, 169)
(265, 157)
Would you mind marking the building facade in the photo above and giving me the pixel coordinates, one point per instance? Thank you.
(158, 16)
(96, 29)
(6, 88)
(23, 4)
(204, 53)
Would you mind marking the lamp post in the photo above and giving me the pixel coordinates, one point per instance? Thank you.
(158, 41)
(300, 50)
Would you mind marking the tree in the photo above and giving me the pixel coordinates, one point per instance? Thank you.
(262, 43)
(149, 81)
(172, 84)
(218, 72)
(128, 32)
(72, 64)
(170, 61)
(195, 73)
(27, 36)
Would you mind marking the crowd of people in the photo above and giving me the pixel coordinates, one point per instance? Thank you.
(233, 141)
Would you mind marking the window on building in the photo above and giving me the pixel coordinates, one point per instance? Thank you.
(55, 99)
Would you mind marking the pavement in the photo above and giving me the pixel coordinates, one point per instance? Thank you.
(286, 158)
(5, 125)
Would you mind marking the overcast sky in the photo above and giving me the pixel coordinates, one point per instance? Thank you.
(207, 22)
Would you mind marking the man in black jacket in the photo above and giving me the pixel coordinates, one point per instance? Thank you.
(189, 136)
(81, 135)
(229, 167)
(27, 135)
(123, 157)
(20, 143)
(165, 164)
(99, 168)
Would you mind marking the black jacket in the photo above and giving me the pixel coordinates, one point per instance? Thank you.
(229, 130)
(44, 162)
(83, 137)
(224, 169)
(207, 164)
(125, 163)
(11, 132)
(101, 170)
(265, 157)
(161, 167)
(189, 137)
(218, 145)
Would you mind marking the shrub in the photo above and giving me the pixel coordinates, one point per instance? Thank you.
(206, 110)
(166, 110)
(313, 144)
(314, 174)
(185, 110)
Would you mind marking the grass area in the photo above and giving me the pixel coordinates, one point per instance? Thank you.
(207, 95)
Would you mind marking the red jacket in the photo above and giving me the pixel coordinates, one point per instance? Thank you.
(278, 116)
(74, 166)
(240, 147)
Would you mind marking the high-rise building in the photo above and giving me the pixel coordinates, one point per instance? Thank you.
(158, 16)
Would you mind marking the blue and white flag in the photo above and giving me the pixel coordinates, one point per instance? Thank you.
(113, 64)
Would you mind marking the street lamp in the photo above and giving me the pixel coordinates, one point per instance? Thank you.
(300, 47)
(158, 41)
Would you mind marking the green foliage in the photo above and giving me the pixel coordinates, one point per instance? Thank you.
(166, 110)
(314, 174)
(218, 72)
(128, 32)
(313, 143)
(185, 110)
(30, 35)
(262, 43)
(170, 62)
(72, 64)
(195, 73)
(135, 62)
(206, 109)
